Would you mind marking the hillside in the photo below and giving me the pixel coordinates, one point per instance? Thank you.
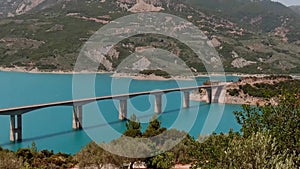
(296, 9)
(258, 15)
(48, 35)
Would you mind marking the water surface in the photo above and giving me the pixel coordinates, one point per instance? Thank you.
(51, 128)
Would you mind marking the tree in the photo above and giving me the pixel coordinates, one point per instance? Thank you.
(162, 161)
(133, 127)
(174, 147)
(133, 130)
(9, 160)
(32, 158)
(282, 121)
(182, 150)
(92, 155)
(210, 150)
(259, 150)
(154, 128)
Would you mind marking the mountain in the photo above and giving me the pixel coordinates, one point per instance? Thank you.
(250, 36)
(259, 15)
(296, 9)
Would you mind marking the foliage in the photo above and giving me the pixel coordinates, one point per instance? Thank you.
(133, 127)
(93, 155)
(156, 72)
(33, 158)
(162, 161)
(233, 92)
(265, 90)
(182, 150)
(9, 160)
(259, 150)
(211, 150)
(154, 128)
(282, 121)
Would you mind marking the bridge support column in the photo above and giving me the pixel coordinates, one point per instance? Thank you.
(77, 117)
(123, 109)
(186, 99)
(158, 103)
(215, 94)
(209, 95)
(15, 131)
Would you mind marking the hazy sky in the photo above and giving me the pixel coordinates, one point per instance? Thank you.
(289, 2)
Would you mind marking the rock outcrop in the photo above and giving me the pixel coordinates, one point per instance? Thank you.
(27, 5)
(141, 6)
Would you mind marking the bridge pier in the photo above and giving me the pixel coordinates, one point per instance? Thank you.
(209, 95)
(186, 99)
(15, 129)
(123, 109)
(215, 94)
(77, 117)
(158, 103)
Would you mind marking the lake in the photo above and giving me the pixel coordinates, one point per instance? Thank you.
(51, 128)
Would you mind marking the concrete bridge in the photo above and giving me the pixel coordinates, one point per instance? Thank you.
(214, 93)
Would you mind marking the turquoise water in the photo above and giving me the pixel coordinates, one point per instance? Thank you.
(51, 128)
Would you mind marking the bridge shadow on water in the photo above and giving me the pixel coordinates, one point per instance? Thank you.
(92, 127)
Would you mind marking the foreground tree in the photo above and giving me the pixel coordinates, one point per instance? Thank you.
(165, 160)
(282, 121)
(154, 128)
(9, 160)
(256, 151)
(210, 150)
(92, 155)
(133, 127)
(32, 158)
(259, 150)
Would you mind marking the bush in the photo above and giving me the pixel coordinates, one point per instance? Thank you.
(156, 72)
(282, 121)
(9, 160)
(233, 92)
(257, 151)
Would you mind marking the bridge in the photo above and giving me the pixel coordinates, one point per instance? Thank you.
(214, 93)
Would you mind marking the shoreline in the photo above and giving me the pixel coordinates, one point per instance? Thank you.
(137, 76)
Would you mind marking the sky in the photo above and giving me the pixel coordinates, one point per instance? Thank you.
(289, 2)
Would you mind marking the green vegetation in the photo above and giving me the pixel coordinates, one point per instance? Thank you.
(92, 155)
(265, 90)
(156, 72)
(270, 139)
(31, 158)
(233, 92)
(281, 121)
(9, 160)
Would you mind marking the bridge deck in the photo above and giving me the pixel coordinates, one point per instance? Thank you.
(25, 109)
